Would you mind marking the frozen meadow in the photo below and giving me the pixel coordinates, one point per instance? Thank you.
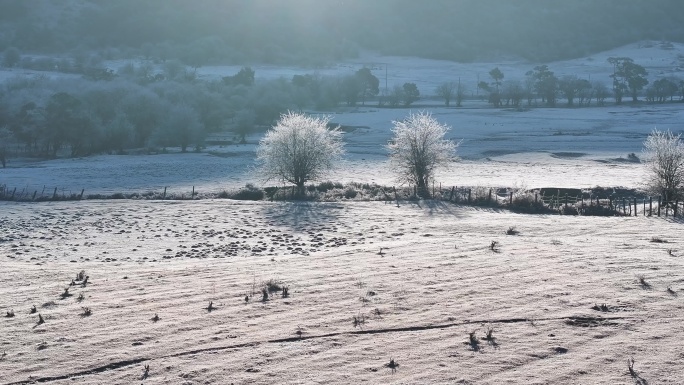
(176, 286)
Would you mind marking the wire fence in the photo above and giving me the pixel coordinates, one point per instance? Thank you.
(563, 201)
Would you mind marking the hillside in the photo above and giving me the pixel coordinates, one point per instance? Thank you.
(313, 32)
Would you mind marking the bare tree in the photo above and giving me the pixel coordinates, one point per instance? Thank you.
(664, 154)
(446, 91)
(600, 92)
(460, 93)
(5, 136)
(418, 149)
(299, 148)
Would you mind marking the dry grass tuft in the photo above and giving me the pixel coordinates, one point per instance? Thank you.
(642, 281)
(392, 365)
(494, 246)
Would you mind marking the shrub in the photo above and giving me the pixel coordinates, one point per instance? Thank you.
(526, 204)
(249, 193)
(350, 192)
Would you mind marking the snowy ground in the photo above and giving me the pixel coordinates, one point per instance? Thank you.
(419, 278)
(535, 148)
(541, 147)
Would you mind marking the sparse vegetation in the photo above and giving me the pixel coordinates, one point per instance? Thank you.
(359, 320)
(473, 341)
(86, 312)
(9, 314)
(494, 246)
(489, 335)
(642, 281)
(273, 286)
(512, 231)
(65, 294)
(393, 365)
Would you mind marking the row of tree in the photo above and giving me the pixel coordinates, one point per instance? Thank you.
(628, 79)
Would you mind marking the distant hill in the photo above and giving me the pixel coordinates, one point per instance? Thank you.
(201, 32)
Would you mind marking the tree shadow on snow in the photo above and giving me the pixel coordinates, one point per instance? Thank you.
(300, 215)
(436, 207)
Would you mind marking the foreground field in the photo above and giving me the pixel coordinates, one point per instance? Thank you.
(368, 282)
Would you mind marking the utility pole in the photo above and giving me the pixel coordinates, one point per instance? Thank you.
(385, 79)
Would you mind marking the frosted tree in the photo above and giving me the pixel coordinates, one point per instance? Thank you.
(298, 149)
(446, 91)
(418, 149)
(664, 154)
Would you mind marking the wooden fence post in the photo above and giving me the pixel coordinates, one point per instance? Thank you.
(635, 207)
(674, 214)
(566, 201)
(510, 200)
(452, 193)
(81, 196)
(489, 199)
(15, 190)
(469, 191)
(34, 195)
(650, 206)
(164, 195)
(54, 194)
(659, 206)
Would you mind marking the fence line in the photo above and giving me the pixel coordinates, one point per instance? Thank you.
(495, 197)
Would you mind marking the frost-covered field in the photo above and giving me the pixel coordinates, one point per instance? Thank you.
(541, 147)
(418, 278)
(535, 148)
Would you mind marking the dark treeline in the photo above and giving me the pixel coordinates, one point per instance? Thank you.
(317, 31)
(629, 80)
(149, 107)
(140, 107)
